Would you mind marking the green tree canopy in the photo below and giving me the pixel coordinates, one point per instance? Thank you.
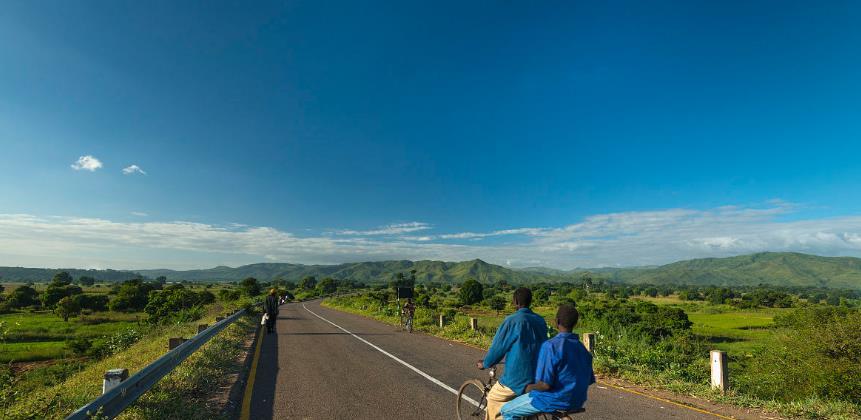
(250, 286)
(327, 285)
(471, 292)
(61, 279)
(22, 297)
(308, 283)
(67, 307)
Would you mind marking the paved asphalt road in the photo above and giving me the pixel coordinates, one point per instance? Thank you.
(311, 369)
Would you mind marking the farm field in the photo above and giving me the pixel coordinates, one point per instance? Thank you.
(42, 335)
(736, 331)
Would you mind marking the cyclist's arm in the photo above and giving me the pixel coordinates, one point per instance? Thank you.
(502, 342)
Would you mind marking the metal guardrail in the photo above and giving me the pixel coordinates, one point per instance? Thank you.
(113, 402)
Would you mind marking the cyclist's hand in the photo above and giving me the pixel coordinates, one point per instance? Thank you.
(480, 365)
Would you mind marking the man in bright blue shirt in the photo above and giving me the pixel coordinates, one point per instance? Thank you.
(518, 340)
(563, 374)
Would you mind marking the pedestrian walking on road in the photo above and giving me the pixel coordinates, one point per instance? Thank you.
(518, 340)
(270, 306)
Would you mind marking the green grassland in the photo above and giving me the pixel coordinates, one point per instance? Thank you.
(37, 397)
(737, 331)
(43, 335)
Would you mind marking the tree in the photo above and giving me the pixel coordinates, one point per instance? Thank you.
(308, 283)
(497, 303)
(2, 289)
(68, 307)
(22, 297)
(161, 279)
(327, 286)
(96, 303)
(471, 292)
(61, 279)
(86, 281)
(57, 291)
(132, 296)
(250, 286)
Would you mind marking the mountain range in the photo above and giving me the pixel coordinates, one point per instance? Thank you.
(776, 268)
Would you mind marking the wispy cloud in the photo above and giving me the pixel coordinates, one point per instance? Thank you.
(86, 163)
(393, 229)
(139, 214)
(133, 169)
(614, 239)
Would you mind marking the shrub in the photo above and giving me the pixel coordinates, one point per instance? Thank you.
(818, 354)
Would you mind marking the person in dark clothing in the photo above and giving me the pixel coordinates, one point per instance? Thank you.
(270, 306)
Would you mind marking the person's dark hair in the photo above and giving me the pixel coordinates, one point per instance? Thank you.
(523, 296)
(567, 316)
(273, 292)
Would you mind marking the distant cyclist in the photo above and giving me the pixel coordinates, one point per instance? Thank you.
(409, 311)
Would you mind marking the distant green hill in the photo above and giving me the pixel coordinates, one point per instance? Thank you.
(23, 274)
(776, 268)
(786, 269)
(368, 272)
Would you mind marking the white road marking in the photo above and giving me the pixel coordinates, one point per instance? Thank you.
(395, 358)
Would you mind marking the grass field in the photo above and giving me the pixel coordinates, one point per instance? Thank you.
(42, 335)
(736, 331)
(188, 385)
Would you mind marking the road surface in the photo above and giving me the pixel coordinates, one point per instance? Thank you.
(326, 364)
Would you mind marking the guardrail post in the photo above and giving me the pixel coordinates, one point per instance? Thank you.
(201, 328)
(441, 321)
(113, 378)
(589, 341)
(473, 323)
(720, 376)
(175, 342)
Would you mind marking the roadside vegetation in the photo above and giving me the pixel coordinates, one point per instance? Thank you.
(796, 351)
(54, 356)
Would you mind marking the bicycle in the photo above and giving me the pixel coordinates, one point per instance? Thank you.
(472, 409)
(408, 324)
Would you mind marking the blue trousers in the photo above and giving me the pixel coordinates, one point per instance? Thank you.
(518, 407)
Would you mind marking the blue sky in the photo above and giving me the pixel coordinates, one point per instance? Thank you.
(565, 134)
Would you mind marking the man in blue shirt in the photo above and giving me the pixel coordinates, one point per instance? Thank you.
(563, 375)
(518, 340)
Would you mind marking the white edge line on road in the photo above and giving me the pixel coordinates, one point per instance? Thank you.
(395, 358)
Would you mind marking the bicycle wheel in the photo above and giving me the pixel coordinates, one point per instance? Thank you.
(471, 400)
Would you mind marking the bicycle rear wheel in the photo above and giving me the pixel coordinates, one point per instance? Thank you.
(471, 400)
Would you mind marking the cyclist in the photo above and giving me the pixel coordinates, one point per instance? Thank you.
(409, 310)
(562, 377)
(518, 340)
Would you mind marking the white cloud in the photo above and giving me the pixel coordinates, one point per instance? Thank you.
(616, 239)
(393, 229)
(139, 214)
(87, 163)
(133, 169)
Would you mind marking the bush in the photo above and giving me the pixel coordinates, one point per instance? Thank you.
(79, 346)
(132, 296)
(818, 354)
(176, 304)
(229, 295)
(120, 341)
(97, 303)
